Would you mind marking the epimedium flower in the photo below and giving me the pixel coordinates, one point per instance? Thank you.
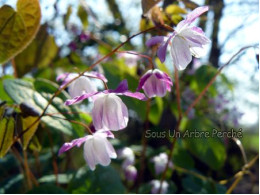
(97, 149)
(160, 162)
(155, 83)
(130, 173)
(185, 41)
(128, 155)
(82, 84)
(109, 111)
(156, 186)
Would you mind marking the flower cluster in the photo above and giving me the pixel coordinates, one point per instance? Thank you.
(109, 112)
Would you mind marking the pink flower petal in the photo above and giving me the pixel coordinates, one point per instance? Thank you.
(154, 41)
(68, 145)
(196, 13)
(161, 52)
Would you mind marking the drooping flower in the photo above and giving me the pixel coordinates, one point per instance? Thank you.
(82, 84)
(160, 162)
(156, 186)
(109, 112)
(130, 173)
(128, 155)
(155, 83)
(97, 149)
(184, 42)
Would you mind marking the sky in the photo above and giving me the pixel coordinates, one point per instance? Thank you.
(244, 71)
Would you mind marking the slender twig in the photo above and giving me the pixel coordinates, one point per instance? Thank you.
(144, 145)
(240, 174)
(27, 170)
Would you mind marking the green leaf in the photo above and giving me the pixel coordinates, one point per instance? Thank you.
(39, 53)
(6, 135)
(209, 150)
(4, 96)
(22, 91)
(181, 156)
(62, 178)
(17, 29)
(47, 189)
(47, 88)
(27, 136)
(35, 144)
(83, 16)
(195, 185)
(156, 110)
(202, 77)
(103, 180)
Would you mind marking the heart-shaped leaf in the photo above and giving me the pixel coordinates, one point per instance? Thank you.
(18, 28)
(6, 135)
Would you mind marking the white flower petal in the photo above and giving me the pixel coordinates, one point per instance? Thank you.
(99, 148)
(194, 37)
(115, 114)
(180, 53)
(89, 155)
(80, 86)
(198, 52)
(97, 113)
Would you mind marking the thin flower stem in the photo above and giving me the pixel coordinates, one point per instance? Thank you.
(81, 74)
(27, 170)
(144, 145)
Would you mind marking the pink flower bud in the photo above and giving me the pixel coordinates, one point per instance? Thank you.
(155, 83)
(130, 173)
